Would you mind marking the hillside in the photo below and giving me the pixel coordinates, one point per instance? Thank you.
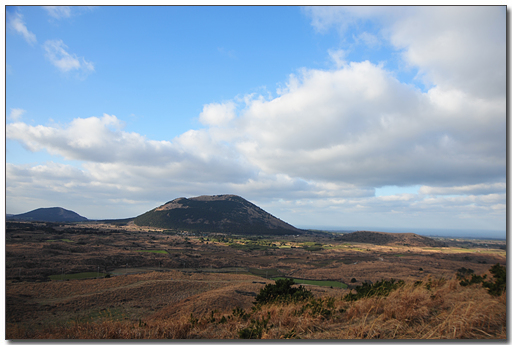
(217, 213)
(50, 214)
(386, 238)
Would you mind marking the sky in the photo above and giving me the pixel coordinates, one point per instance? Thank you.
(326, 117)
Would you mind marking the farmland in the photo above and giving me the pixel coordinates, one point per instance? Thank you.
(78, 274)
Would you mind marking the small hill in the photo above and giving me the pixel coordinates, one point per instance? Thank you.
(50, 214)
(386, 238)
(216, 213)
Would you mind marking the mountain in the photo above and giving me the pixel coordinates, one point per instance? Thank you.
(383, 238)
(50, 214)
(216, 213)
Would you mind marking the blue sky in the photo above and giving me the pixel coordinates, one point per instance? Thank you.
(324, 116)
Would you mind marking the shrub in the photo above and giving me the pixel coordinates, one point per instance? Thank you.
(495, 287)
(475, 279)
(463, 272)
(499, 285)
(380, 288)
(282, 291)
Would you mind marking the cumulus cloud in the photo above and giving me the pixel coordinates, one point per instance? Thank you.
(216, 114)
(361, 125)
(15, 22)
(456, 47)
(64, 61)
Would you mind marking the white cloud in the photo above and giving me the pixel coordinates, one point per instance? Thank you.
(368, 39)
(460, 47)
(217, 114)
(16, 114)
(481, 188)
(58, 12)
(64, 61)
(15, 22)
(338, 56)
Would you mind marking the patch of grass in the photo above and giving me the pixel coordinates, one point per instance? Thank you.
(152, 251)
(104, 315)
(67, 240)
(318, 282)
(82, 275)
(264, 273)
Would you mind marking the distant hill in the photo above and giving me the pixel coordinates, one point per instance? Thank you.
(216, 213)
(50, 214)
(384, 238)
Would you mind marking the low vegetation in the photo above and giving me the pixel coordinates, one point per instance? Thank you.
(439, 309)
(181, 285)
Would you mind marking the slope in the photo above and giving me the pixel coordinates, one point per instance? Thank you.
(216, 213)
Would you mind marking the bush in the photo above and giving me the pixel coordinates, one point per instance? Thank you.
(380, 288)
(499, 285)
(495, 287)
(282, 291)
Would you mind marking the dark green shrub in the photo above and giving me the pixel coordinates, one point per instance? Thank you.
(475, 279)
(495, 287)
(282, 291)
(380, 288)
(463, 272)
(499, 284)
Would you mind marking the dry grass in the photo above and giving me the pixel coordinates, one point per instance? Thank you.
(444, 311)
(163, 301)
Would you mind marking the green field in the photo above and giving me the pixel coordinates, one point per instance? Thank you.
(152, 251)
(82, 275)
(317, 282)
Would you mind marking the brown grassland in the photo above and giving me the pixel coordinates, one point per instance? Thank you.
(170, 285)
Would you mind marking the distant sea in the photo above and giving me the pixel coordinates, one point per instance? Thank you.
(452, 233)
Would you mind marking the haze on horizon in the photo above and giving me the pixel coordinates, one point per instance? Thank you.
(389, 117)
